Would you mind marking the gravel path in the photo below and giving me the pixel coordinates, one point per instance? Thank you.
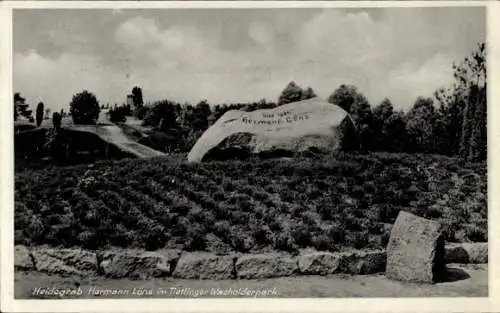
(110, 133)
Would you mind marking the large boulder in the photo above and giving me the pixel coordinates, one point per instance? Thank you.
(415, 252)
(290, 128)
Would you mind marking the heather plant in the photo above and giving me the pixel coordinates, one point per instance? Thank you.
(240, 218)
(228, 186)
(195, 237)
(222, 229)
(357, 239)
(153, 203)
(302, 234)
(337, 232)
(323, 242)
(284, 241)
(262, 234)
(476, 234)
(219, 196)
(241, 241)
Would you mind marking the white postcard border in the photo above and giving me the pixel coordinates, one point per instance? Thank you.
(8, 304)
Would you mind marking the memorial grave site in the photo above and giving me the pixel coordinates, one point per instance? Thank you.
(311, 212)
(264, 193)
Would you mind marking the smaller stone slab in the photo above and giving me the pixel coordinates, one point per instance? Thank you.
(204, 266)
(137, 264)
(319, 263)
(362, 262)
(415, 252)
(467, 253)
(22, 259)
(255, 266)
(65, 262)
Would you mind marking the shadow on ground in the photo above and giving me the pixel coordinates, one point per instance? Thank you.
(453, 274)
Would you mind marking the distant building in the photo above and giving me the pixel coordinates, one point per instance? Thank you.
(130, 100)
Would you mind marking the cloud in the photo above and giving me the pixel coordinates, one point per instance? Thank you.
(408, 81)
(54, 81)
(116, 11)
(261, 33)
(240, 55)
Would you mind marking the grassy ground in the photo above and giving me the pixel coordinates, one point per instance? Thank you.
(470, 281)
(328, 203)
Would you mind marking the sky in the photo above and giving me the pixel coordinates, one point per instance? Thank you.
(239, 55)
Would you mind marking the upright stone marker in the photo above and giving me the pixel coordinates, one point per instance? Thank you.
(415, 252)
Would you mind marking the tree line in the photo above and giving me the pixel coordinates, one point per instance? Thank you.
(452, 122)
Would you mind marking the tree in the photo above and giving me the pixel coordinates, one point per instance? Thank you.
(381, 113)
(479, 143)
(217, 112)
(162, 115)
(21, 108)
(394, 130)
(118, 114)
(56, 121)
(264, 104)
(441, 135)
(471, 80)
(39, 114)
(291, 93)
(345, 96)
(463, 108)
(356, 104)
(384, 110)
(84, 108)
(421, 120)
(47, 113)
(202, 113)
(137, 97)
(17, 100)
(450, 119)
(308, 93)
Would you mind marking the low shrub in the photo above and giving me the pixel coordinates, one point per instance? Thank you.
(284, 241)
(302, 235)
(195, 237)
(222, 229)
(241, 241)
(476, 233)
(323, 242)
(328, 203)
(262, 235)
(357, 239)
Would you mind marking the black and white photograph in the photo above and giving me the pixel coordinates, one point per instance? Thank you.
(249, 152)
